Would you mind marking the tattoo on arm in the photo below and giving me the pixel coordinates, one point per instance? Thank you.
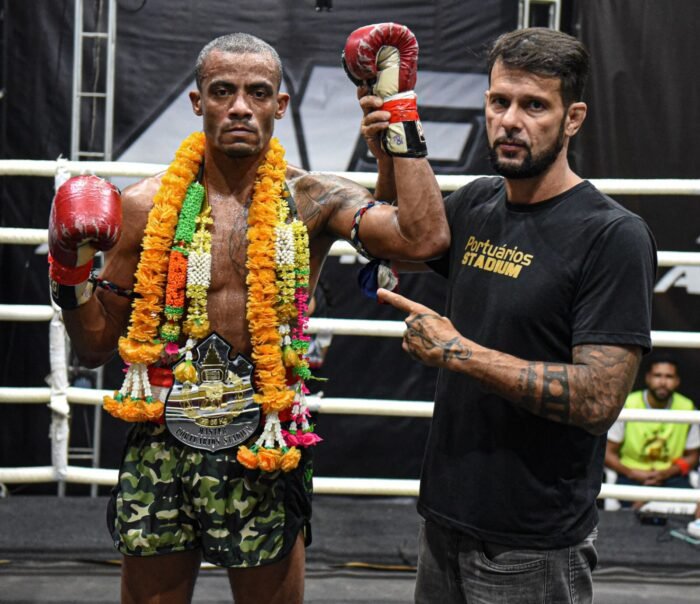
(312, 213)
(604, 375)
(527, 385)
(555, 392)
(588, 393)
(452, 349)
(317, 198)
(342, 195)
(553, 400)
(455, 349)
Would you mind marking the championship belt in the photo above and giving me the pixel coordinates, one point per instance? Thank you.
(213, 408)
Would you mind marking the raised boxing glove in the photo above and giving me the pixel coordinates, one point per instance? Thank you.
(384, 56)
(86, 216)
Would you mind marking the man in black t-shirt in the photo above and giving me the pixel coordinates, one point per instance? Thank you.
(548, 314)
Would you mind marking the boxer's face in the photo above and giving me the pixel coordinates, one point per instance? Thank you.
(239, 102)
(527, 124)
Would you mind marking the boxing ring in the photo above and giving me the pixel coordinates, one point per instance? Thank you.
(59, 396)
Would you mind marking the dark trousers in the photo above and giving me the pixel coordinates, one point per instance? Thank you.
(458, 569)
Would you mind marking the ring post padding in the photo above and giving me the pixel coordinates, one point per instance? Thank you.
(58, 403)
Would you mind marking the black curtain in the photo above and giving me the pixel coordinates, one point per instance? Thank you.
(644, 112)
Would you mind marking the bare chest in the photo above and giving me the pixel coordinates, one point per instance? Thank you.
(228, 292)
(226, 300)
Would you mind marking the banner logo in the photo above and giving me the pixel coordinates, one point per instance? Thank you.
(687, 277)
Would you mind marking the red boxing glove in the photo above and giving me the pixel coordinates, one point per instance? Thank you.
(385, 57)
(86, 216)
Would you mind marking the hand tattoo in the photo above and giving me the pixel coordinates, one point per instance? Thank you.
(453, 348)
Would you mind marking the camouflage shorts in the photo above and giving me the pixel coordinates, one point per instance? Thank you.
(172, 498)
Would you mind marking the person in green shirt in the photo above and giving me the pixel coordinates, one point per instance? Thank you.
(655, 453)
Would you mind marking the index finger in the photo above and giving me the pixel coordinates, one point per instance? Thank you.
(400, 302)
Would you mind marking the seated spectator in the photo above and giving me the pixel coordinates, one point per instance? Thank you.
(655, 453)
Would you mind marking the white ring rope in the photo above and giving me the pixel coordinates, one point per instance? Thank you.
(21, 236)
(59, 396)
(26, 312)
(611, 186)
(335, 405)
(342, 486)
(343, 327)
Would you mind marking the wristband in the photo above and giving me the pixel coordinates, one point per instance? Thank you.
(355, 228)
(66, 275)
(70, 297)
(114, 288)
(378, 273)
(683, 465)
(401, 109)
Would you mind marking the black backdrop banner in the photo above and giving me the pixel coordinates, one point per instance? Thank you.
(643, 95)
(644, 113)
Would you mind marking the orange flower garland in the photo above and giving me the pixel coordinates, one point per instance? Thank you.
(262, 282)
(158, 238)
(270, 451)
(141, 347)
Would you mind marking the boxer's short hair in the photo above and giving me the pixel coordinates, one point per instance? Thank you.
(237, 43)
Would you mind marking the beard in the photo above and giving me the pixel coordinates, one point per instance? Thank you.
(532, 165)
(659, 395)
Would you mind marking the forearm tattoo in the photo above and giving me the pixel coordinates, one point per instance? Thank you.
(551, 400)
(555, 392)
(527, 386)
(588, 393)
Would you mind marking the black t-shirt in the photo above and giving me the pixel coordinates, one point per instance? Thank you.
(532, 281)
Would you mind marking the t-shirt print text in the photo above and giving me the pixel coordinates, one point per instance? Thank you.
(500, 259)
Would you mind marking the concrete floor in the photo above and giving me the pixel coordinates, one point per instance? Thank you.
(86, 582)
(57, 551)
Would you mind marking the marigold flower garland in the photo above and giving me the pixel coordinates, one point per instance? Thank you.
(141, 346)
(270, 263)
(278, 269)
